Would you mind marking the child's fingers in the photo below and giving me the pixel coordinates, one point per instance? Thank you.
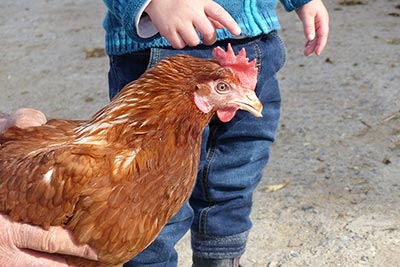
(315, 19)
(310, 47)
(216, 24)
(175, 39)
(219, 14)
(189, 35)
(320, 31)
(207, 29)
(309, 28)
(323, 33)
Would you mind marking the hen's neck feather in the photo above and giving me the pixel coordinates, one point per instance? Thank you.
(162, 99)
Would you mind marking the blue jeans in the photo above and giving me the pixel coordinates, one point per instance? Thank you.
(233, 156)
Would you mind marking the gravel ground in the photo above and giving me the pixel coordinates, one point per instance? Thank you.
(338, 145)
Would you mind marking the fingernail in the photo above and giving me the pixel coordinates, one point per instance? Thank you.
(238, 30)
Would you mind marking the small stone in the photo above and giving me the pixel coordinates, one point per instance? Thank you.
(386, 161)
(307, 207)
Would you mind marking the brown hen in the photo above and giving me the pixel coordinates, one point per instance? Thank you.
(115, 180)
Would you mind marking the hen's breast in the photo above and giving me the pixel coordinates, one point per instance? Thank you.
(123, 218)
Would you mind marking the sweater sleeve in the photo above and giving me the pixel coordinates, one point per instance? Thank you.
(291, 5)
(130, 14)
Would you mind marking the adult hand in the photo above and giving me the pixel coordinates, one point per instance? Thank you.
(315, 20)
(25, 245)
(181, 21)
(22, 118)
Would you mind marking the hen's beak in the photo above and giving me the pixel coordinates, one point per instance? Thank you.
(250, 103)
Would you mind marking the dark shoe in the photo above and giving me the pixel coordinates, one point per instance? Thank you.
(201, 262)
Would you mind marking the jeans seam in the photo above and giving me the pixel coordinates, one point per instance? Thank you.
(258, 53)
(206, 170)
(203, 216)
(154, 57)
(282, 47)
(204, 174)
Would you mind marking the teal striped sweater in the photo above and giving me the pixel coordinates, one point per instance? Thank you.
(129, 30)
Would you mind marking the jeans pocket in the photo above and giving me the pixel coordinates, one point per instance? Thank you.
(281, 46)
(272, 54)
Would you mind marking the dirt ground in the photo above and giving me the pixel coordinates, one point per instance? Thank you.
(338, 144)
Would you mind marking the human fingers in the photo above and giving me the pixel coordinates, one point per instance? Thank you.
(175, 39)
(308, 28)
(189, 34)
(12, 256)
(22, 118)
(315, 19)
(54, 240)
(310, 46)
(3, 123)
(308, 20)
(322, 29)
(177, 27)
(26, 117)
(219, 14)
(31, 258)
(216, 24)
(207, 29)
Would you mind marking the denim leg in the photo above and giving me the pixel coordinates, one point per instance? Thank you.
(124, 69)
(161, 252)
(231, 166)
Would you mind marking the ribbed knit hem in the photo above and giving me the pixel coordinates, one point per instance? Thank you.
(291, 5)
(118, 43)
(218, 247)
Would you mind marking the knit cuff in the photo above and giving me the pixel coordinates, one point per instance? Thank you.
(291, 5)
(143, 24)
(129, 14)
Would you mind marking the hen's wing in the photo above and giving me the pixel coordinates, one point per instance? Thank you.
(48, 179)
(55, 130)
(42, 174)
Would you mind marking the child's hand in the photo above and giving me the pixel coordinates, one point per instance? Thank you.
(315, 20)
(181, 21)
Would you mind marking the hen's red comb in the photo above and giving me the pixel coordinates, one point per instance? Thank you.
(245, 71)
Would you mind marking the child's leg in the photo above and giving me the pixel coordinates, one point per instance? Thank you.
(231, 166)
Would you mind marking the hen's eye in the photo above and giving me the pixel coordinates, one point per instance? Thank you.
(223, 88)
